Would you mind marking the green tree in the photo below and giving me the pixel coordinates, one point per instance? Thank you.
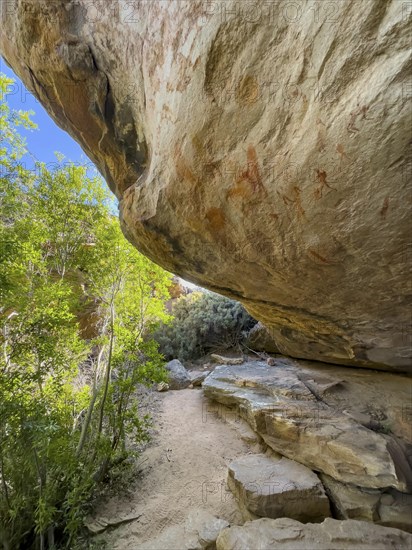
(131, 292)
(67, 405)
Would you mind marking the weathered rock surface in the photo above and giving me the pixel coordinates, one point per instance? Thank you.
(258, 149)
(197, 377)
(199, 531)
(395, 510)
(206, 527)
(244, 432)
(294, 421)
(276, 488)
(332, 534)
(392, 508)
(223, 360)
(259, 338)
(179, 377)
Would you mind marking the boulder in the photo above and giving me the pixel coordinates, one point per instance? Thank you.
(204, 527)
(259, 338)
(179, 377)
(259, 149)
(350, 501)
(395, 510)
(274, 488)
(295, 422)
(197, 377)
(389, 508)
(332, 534)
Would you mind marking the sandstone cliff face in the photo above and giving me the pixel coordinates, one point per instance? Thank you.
(260, 150)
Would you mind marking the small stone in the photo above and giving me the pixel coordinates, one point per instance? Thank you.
(162, 386)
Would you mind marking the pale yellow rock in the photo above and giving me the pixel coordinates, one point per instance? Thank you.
(281, 407)
(268, 487)
(392, 508)
(332, 534)
(222, 360)
(259, 149)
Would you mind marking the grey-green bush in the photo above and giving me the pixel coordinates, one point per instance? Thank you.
(203, 322)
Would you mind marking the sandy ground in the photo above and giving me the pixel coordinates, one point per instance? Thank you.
(184, 470)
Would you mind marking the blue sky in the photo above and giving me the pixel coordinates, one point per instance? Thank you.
(48, 138)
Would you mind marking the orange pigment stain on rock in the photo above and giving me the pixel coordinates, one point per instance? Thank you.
(321, 177)
(240, 189)
(249, 181)
(248, 91)
(253, 171)
(216, 219)
(295, 202)
(319, 257)
(385, 207)
(298, 202)
(183, 169)
(340, 149)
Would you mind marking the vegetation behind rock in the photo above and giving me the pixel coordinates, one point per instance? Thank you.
(203, 322)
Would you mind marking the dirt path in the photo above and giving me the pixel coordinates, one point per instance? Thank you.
(184, 470)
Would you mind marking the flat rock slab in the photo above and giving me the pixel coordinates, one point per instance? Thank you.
(222, 360)
(293, 421)
(100, 524)
(276, 488)
(332, 534)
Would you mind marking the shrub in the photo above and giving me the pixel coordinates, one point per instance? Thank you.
(203, 322)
